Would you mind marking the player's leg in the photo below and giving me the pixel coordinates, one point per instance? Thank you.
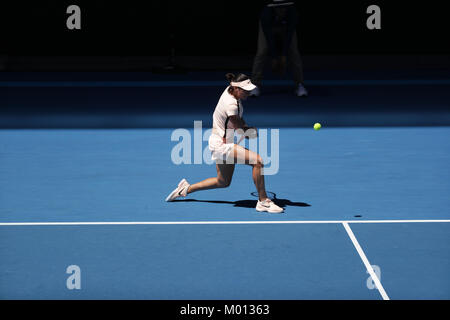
(245, 156)
(223, 179)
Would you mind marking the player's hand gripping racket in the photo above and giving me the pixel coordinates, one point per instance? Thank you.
(250, 133)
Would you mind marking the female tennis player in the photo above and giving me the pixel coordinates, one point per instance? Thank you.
(227, 117)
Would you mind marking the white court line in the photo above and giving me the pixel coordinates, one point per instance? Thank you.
(366, 261)
(96, 223)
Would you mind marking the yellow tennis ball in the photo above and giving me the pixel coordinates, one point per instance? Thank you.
(317, 126)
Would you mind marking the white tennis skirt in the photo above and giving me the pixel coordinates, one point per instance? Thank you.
(220, 151)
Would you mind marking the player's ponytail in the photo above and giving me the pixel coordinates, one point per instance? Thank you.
(230, 77)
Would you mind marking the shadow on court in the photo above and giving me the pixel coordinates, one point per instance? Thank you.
(249, 203)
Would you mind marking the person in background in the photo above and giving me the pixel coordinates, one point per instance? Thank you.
(277, 40)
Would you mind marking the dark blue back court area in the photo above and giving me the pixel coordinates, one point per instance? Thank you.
(149, 100)
(86, 161)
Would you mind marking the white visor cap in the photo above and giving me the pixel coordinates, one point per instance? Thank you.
(247, 85)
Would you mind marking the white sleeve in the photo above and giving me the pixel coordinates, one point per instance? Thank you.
(232, 110)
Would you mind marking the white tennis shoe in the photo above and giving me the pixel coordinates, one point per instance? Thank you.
(180, 191)
(268, 206)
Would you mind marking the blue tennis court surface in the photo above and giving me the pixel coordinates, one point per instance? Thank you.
(95, 199)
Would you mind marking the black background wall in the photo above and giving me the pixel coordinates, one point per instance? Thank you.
(217, 28)
(218, 35)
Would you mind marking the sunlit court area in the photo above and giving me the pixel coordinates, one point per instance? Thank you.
(110, 187)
